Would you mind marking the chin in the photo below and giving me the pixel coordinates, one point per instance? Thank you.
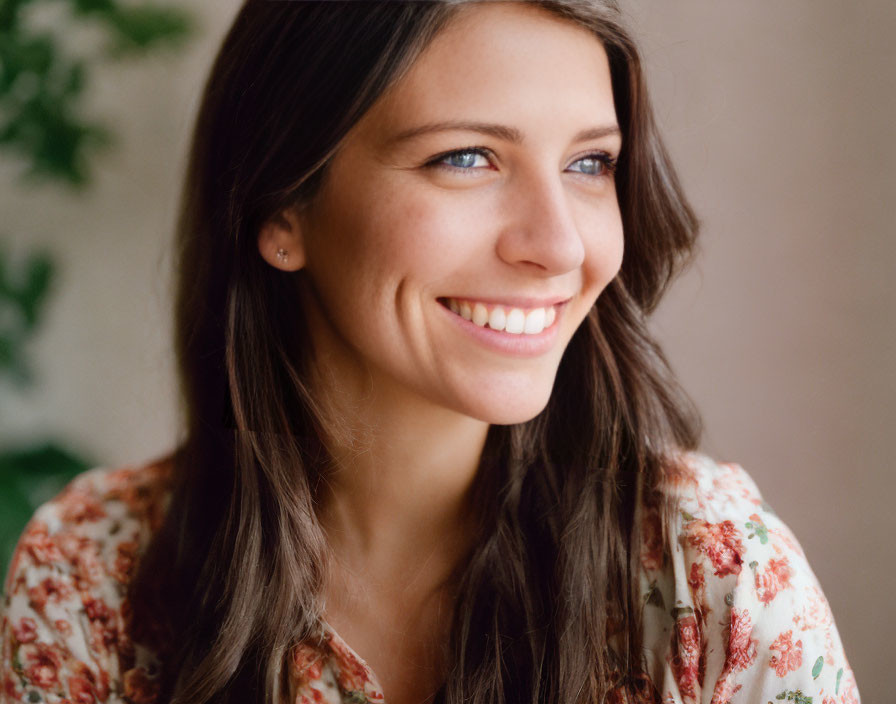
(509, 409)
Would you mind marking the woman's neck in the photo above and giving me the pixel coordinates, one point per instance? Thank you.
(397, 499)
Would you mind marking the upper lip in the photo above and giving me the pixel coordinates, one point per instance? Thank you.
(515, 301)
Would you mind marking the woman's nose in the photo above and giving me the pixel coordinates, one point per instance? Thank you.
(540, 228)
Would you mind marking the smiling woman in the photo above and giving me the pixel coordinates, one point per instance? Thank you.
(431, 452)
(510, 226)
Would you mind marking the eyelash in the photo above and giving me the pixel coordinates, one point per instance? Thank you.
(607, 162)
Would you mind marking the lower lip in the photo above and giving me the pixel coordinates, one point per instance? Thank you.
(515, 345)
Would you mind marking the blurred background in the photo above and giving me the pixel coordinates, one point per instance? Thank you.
(779, 116)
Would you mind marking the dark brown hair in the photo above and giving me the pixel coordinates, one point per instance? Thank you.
(548, 607)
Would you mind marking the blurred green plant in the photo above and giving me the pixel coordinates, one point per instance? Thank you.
(41, 121)
(41, 84)
(23, 292)
(30, 474)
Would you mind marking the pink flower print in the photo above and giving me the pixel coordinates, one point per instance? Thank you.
(740, 653)
(741, 647)
(775, 578)
(40, 545)
(307, 663)
(697, 583)
(41, 664)
(851, 694)
(687, 665)
(353, 673)
(83, 683)
(103, 624)
(81, 552)
(725, 689)
(816, 613)
(791, 654)
(125, 559)
(26, 631)
(9, 687)
(785, 537)
(720, 542)
(80, 690)
(78, 506)
(52, 590)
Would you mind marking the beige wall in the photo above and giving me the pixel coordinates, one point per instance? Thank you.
(780, 117)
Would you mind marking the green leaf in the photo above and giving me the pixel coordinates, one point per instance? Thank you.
(86, 7)
(30, 476)
(141, 27)
(75, 80)
(38, 277)
(839, 675)
(816, 668)
(41, 85)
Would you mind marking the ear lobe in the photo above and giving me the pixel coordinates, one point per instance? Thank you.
(280, 241)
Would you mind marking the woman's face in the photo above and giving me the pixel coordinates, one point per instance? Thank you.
(480, 186)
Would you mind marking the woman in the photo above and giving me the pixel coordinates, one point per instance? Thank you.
(423, 415)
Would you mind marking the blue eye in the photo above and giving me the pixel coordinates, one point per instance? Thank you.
(462, 160)
(599, 164)
(596, 164)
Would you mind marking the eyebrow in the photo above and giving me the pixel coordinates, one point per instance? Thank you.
(508, 134)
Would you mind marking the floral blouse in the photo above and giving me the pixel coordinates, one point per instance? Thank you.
(732, 610)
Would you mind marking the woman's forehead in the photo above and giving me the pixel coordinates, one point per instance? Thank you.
(503, 63)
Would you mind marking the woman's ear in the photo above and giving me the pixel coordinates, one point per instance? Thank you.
(280, 241)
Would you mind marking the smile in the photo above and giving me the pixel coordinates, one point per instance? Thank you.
(513, 320)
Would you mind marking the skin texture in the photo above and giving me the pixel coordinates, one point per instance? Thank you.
(387, 236)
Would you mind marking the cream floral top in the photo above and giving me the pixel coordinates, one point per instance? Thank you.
(732, 610)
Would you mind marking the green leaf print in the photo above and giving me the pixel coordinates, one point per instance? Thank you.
(816, 668)
(759, 530)
(355, 697)
(797, 696)
(839, 675)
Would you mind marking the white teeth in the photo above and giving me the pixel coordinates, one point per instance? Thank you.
(480, 314)
(497, 318)
(516, 321)
(534, 322)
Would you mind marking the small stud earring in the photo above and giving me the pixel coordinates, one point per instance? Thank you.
(282, 255)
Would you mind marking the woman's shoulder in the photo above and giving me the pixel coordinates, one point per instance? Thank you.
(65, 603)
(739, 609)
(709, 488)
(102, 511)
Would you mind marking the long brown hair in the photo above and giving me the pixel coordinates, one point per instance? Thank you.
(548, 607)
